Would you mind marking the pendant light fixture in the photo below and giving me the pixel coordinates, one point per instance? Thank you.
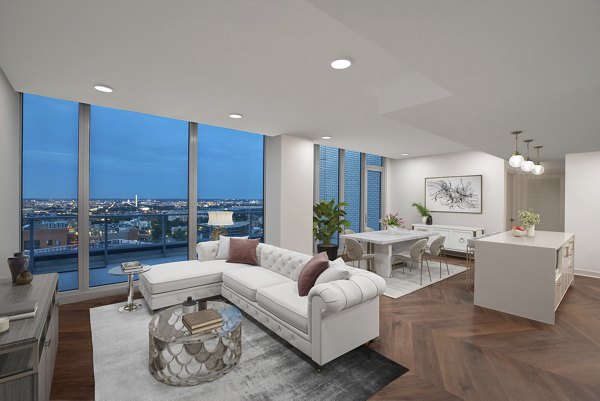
(527, 165)
(538, 169)
(516, 159)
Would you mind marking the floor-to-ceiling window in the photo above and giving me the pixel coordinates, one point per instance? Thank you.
(49, 215)
(230, 178)
(329, 173)
(352, 188)
(374, 177)
(138, 190)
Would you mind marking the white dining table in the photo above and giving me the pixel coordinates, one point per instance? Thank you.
(386, 243)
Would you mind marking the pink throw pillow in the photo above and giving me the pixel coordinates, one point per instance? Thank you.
(311, 271)
(243, 250)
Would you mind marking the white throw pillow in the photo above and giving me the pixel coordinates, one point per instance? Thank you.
(337, 270)
(223, 252)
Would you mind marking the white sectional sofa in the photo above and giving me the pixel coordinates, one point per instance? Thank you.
(333, 319)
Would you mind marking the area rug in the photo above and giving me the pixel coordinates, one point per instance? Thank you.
(401, 284)
(270, 369)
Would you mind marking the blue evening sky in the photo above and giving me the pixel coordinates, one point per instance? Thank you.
(133, 153)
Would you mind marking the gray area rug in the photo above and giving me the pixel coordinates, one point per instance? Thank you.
(269, 369)
(401, 284)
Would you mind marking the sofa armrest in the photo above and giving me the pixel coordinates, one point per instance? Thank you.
(344, 294)
(207, 250)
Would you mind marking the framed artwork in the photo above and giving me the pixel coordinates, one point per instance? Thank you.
(458, 194)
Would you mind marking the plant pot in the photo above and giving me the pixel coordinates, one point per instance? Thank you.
(531, 231)
(429, 220)
(424, 219)
(17, 265)
(331, 249)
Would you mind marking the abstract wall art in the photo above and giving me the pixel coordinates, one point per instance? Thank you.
(458, 194)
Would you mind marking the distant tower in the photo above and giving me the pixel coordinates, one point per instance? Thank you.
(136, 200)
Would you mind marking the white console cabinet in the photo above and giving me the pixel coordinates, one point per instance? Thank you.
(456, 236)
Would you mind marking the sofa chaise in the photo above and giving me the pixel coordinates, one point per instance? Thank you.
(334, 318)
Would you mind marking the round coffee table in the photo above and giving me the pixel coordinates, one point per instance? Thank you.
(179, 358)
(130, 306)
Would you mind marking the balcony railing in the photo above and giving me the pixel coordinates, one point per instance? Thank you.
(114, 237)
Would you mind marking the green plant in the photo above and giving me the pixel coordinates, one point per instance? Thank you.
(328, 219)
(392, 220)
(421, 209)
(529, 218)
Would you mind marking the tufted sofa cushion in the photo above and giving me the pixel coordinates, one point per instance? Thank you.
(250, 279)
(284, 302)
(282, 261)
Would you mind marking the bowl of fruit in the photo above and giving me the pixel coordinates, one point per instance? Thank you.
(519, 231)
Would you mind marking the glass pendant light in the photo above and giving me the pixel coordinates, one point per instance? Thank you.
(527, 165)
(516, 159)
(538, 169)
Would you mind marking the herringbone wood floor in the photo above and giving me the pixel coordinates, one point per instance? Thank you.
(456, 350)
(453, 349)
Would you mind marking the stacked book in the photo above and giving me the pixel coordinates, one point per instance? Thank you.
(203, 320)
(19, 310)
(132, 267)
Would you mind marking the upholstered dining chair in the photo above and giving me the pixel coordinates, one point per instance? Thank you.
(369, 245)
(415, 257)
(368, 229)
(346, 231)
(356, 252)
(437, 250)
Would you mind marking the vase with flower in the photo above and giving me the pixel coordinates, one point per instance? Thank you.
(392, 222)
(529, 219)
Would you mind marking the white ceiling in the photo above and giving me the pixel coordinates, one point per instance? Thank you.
(429, 77)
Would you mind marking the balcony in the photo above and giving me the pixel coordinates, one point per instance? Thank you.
(152, 238)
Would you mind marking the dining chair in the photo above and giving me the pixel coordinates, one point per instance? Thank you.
(357, 253)
(369, 245)
(437, 251)
(346, 231)
(368, 229)
(415, 256)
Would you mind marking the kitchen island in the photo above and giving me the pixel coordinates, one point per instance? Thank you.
(524, 276)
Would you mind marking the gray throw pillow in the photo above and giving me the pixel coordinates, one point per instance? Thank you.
(337, 270)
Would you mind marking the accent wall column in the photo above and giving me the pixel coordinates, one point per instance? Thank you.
(192, 190)
(289, 180)
(83, 198)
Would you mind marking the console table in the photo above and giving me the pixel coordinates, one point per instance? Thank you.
(524, 276)
(28, 348)
(456, 236)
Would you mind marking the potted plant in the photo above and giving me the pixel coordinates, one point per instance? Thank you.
(392, 222)
(424, 212)
(529, 219)
(328, 219)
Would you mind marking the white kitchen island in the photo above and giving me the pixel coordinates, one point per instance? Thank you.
(524, 276)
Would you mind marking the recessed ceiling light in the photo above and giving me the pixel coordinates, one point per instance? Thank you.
(325, 137)
(236, 115)
(341, 64)
(404, 154)
(103, 88)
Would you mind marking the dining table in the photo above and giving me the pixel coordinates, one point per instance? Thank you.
(386, 243)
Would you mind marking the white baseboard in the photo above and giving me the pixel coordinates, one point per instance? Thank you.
(69, 297)
(587, 273)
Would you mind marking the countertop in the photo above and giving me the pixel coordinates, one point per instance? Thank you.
(542, 239)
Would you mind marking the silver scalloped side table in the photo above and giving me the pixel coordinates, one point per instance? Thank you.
(179, 358)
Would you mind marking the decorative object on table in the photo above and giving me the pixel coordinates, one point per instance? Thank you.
(4, 324)
(25, 277)
(456, 194)
(202, 304)
(392, 222)
(19, 310)
(529, 219)
(201, 321)
(133, 266)
(188, 306)
(519, 231)
(219, 220)
(18, 264)
(328, 219)
(516, 159)
(424, 212)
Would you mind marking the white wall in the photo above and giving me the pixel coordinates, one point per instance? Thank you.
(289, 165)
(406, 184)
(9, 173)
(582, 210)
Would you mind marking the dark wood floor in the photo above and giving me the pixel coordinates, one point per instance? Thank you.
(454, 350)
